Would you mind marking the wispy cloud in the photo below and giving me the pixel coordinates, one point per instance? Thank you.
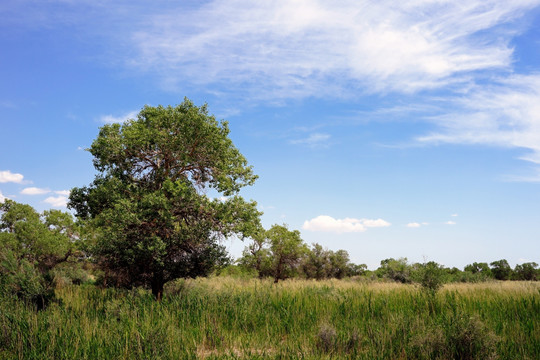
(34, 191)
(287, 49)
(2, 197)
(7, 176)
(450, 223)
(325, 223)
(293, 49)
(413, 225)
(505, 113)
(110, 119)
(313, 140)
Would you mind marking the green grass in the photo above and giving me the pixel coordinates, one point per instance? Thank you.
(221, 318)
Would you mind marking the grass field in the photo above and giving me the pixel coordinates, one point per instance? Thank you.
(222, 318)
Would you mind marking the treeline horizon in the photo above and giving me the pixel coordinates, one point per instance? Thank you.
(40, 251)
(281, 253)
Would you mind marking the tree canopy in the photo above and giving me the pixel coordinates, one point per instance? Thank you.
(31, 245)
(149, 199)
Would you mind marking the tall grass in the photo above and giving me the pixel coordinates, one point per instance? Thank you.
(221, 318)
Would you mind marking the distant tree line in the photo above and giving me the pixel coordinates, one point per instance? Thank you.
(39, 251)
(280, 254)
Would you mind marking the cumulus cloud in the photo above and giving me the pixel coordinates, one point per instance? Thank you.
(34, 191)
(7, 176)
(57, 201)
(413, 225)
(110, 119)
(325, 223)
(63, 192)
(306, 48)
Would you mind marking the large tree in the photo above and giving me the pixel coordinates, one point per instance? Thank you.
(149, 200)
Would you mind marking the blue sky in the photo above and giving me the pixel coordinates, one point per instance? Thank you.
(388, 129)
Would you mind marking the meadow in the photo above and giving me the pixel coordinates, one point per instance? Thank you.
(232, 318)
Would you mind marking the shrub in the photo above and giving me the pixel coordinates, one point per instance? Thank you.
(70, 273)
(468, 338)
(22, 278)
(432, 276)
(326, 338)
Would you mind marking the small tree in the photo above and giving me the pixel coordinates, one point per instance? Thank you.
(149, 199)
(357, 269)
(397, 270)
(501, 269)
(316, 263)
(477, 267)
(287, 249)
(431, 276)
(257, 256)
(339, 264)
(526, 271)
(31, 245)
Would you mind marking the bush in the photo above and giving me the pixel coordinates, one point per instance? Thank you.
(23, 279)
(70, 273)
(468, 339)
(432, 276)
(326, 338)
(462, 337)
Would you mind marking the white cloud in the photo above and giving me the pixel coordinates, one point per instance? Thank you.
(57, 201)
(63, 192)
(413, 225)
(292, 49)
(2, 197)
(34, 191)
(326, 223)
(110, 119)
(7, 176)
(450, 223)
(505, 113)
(313, 140)
(454, 215)
(375, 223)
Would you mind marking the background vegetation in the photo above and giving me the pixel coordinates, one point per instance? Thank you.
(86, 288)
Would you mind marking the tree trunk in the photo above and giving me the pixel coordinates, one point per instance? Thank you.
(277, 274)
(157, 287)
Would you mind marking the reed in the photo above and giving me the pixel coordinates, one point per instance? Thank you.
(222, 318)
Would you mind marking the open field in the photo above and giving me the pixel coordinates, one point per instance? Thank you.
(222, 317)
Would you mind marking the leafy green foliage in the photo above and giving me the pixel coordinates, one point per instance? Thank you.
(398, 270)
(154, 222)
(31, 245)
(527, 271)
(431, 276)
(316, 263)
(257, 255)
(501, 270)
(287, 249)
